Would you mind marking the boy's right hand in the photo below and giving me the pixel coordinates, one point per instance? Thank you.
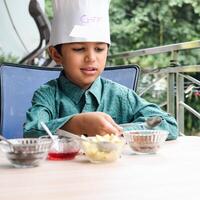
(93, 123)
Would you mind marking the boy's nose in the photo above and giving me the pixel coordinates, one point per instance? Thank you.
(90, 57)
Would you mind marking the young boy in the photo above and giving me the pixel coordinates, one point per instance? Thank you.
(80, 101)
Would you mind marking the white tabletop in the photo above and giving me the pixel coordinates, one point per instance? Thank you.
(172, 174)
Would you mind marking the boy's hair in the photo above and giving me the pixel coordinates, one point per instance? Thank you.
(58, 48)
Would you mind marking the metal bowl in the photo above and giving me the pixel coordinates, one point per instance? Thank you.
(27, 152)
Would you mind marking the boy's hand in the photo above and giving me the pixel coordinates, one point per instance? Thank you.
(93, 123)
(99, 123)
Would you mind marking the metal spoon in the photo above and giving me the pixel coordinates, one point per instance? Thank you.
(44, 126)
(152, 122)
(70, 135)
(104, 146)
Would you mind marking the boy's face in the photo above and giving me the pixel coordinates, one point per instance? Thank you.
(82, 62)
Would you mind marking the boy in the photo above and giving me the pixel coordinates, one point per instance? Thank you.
(80, 101)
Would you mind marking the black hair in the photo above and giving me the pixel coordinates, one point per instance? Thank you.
(58, 48)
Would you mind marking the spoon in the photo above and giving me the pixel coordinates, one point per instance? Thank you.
(11, 145)
(67, 134)
(104, 146)
(44, 126)
(152, 122)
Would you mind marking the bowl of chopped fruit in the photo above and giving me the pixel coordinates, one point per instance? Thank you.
(100, 149)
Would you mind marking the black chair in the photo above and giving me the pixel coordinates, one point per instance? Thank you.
(18, 82)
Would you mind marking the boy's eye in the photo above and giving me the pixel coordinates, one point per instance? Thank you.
(82, 49)
(78, 49)
(98, 49)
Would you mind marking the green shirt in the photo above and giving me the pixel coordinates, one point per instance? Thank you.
(59, 100)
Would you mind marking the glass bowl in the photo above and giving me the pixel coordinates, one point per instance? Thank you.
(145, 141)
(28, 152)
(64, 149)
(95, 154)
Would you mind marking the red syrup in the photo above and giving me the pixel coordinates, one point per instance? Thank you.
(62, 156)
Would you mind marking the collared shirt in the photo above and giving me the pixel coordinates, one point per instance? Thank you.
(59, 100)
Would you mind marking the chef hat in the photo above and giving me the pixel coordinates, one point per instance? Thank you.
(80, 21)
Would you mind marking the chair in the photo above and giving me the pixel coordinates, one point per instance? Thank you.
(126, 75)
(18, 82)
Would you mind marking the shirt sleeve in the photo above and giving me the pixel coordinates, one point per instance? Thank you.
(43, 109)
(141, 110)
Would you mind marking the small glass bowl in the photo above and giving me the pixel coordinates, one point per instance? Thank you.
(95, 155)
(64, 149)
(28, 152)
(145, 141)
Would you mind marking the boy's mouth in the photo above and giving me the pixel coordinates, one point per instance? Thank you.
(89, 70)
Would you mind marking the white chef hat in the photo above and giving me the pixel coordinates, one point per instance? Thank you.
(80, 21)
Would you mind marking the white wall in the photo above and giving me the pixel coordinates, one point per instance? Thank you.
(24, 25)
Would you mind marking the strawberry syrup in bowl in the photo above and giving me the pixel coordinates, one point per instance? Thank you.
(64, 149)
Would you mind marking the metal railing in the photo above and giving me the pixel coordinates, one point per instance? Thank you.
(175, 75)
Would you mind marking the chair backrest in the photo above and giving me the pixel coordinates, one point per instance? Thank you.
(18, 83)
(126, 75)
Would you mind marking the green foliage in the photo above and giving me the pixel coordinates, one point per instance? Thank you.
(48, 9)
(7, 58)
(137, 24)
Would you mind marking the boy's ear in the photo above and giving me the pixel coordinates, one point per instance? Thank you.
(55, 55)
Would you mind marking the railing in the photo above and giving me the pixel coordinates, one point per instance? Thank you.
(175, 75)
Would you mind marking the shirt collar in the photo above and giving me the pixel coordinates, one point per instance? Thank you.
(75, 93)
(96, 89)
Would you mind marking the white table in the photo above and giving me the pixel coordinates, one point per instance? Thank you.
(172, 174)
